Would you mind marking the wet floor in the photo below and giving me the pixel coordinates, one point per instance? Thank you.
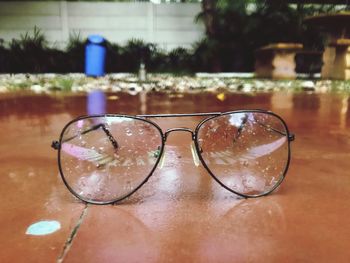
(181, 214)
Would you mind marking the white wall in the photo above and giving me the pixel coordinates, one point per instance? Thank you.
(168, 25)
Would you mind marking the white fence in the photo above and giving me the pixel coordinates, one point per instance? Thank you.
(168, 25)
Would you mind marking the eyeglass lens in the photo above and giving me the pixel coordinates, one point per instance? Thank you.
(246, 152)
(96, 169)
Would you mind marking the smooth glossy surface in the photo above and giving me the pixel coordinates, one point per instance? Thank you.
(181, 214)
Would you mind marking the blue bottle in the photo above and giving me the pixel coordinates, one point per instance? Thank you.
(95, 56)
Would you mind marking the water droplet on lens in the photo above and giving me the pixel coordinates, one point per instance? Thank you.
(128, 132)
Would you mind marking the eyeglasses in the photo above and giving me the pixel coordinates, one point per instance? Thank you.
(106, 158)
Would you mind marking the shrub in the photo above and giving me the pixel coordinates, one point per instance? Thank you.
(4, 57)
(75, 53)
(134, 52)
(113, 58)
(180, 60)
(29, 53)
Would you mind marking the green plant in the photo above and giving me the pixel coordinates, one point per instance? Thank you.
(114, 62)
(4, 57)
(65, 84)
(28, 54)
(134, 52)
(180, 59)
(75, 53)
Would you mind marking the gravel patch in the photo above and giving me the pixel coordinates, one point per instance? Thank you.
(76, 82)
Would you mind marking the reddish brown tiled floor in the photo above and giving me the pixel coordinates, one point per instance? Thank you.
(181, 214)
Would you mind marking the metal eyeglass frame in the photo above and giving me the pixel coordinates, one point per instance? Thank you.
(164, 135)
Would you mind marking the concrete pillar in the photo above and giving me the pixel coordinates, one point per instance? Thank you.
(328, 59)
(336, 60)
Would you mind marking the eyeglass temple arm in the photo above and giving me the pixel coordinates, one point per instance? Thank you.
(291, 136)
(56, 144)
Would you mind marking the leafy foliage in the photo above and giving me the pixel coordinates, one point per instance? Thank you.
(31, 54)
(235, 30)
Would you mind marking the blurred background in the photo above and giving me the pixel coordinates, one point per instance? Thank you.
(168, 35)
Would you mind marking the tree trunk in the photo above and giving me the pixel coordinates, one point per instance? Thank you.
(208, 8)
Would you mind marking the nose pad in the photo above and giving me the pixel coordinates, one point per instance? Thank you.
(161, 162)
(194, 154)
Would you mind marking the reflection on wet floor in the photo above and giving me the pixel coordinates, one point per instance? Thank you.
(31, 106)
(181, 213)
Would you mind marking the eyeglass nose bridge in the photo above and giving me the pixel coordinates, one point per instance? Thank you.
(184, 129)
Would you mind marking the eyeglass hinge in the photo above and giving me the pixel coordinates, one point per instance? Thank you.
(56, 145)
(291, 137)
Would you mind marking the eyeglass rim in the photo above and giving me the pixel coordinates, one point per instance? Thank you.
(211, 115)
(126, 195)
(282, 177)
